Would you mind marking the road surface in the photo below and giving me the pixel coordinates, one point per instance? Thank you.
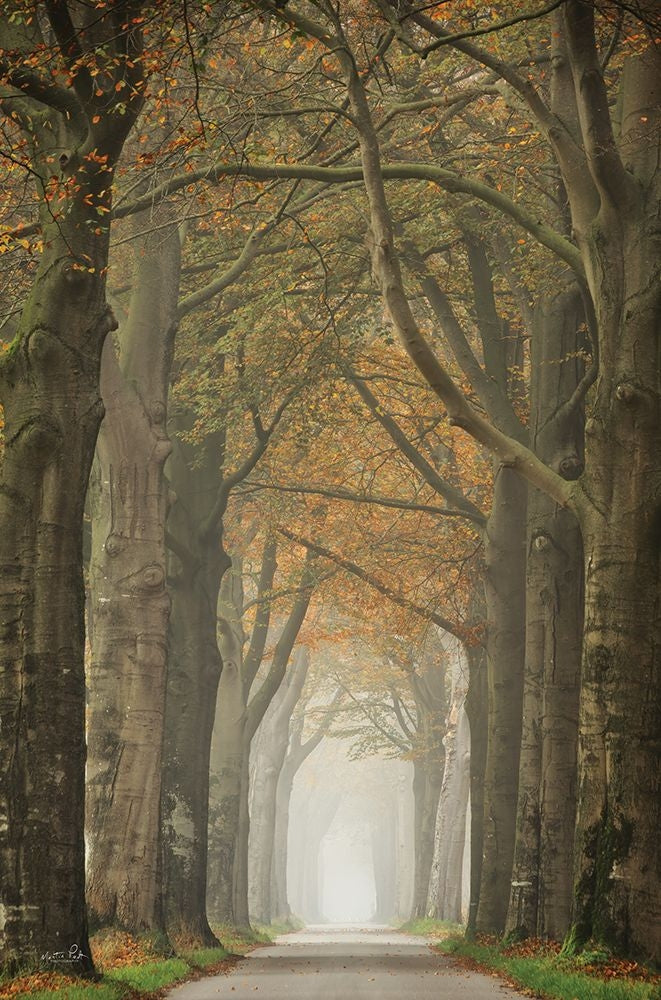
(330, 963)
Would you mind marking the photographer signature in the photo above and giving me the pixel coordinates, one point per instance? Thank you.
(70, 957)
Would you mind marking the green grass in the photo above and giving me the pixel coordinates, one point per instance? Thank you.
(101, 992)
(551, 975)
(428, 927)
(237, 940)
(125, 981)
(150, 976)
(205, 956)
(279, 927)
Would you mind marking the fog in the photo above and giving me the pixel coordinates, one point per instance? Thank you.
(351, 838)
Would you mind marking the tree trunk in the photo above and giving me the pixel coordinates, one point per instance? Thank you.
(541, 896)
(444, 899)
(427, 780)
(617, 893)
(49, 387)
(270, 761)
(49, 392)
(405, 846)
(297, 754)
(240, 875)
(619, 805)
(227, 754)
(505, 595)
(384, 859)
(280, 906)
(193, 675)
(477, 714)
(130, 607)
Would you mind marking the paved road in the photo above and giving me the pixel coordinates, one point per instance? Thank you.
(330, 963)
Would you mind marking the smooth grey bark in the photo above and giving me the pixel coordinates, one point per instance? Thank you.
(129, 606)
(541, 897)
(505, 554)
(477, 715)
(445, 884)
(428, 762)
(195, 568)
(49, 391)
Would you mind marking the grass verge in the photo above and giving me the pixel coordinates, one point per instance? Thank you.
(540, 967)
(428, 927)
(130, 969)
(239, 940)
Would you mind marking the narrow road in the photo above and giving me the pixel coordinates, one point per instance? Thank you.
(331, 963)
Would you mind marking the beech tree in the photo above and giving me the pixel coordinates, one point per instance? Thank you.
(73, 90)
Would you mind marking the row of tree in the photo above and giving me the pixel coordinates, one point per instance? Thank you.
(390, 311)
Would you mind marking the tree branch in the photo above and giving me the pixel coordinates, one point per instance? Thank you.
(379, 501)
(253, 657)
(382, 588)
(427, 471)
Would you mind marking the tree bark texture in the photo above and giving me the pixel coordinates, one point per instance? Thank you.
(195, 572)
(49, 390)
(476, 707)
(617, 852)
(505, 600)
(129, 603)
(541, 896)
(445, 884)
(430, 696)
(227, 751)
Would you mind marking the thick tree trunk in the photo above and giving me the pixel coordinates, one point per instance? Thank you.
(617, 852)
(505, 595)
(405, 846)
(617, 897)
(261, 899)
(477, 714)
(49, 392)
(129, 604)
(445, 884)
(240, 876)
(540, 901)
(452, 890)
(49, 387)
(227, 765)
(193, 675)
(427, 780)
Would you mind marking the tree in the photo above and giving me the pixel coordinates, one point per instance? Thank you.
(238, 720)
(129, 603)
(73, 91)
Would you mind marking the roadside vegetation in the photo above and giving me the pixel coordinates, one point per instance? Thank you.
(544, 967)
(135, 967)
